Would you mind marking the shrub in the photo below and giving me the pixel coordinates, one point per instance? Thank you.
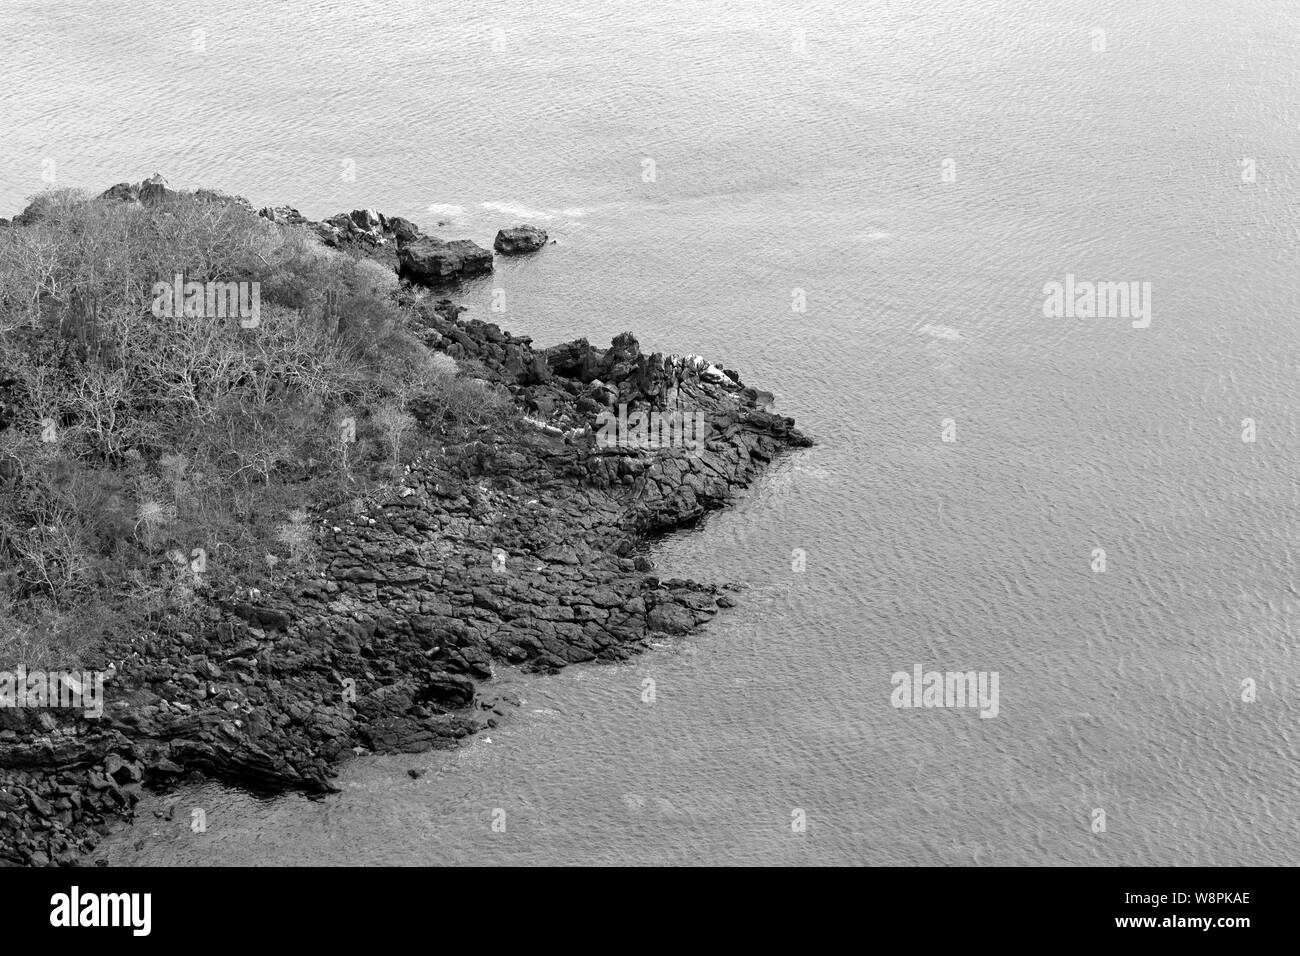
(132, 439)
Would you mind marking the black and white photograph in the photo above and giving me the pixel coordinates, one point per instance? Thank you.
(762, 434)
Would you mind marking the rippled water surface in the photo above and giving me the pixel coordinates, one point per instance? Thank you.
(801, 146)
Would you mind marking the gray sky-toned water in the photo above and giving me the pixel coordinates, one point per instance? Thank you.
(918, 172)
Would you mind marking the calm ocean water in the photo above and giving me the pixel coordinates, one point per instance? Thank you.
(803, 146)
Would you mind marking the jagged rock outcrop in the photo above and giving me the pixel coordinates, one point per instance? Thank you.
(155, 190)
(284, 215)
(122, 192)
(520, 546)
(430, 261)
(398, 244)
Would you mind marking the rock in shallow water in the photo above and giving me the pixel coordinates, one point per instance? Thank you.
(519, 240)
(429, 261)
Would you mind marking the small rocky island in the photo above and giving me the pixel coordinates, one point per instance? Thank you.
(519, 540)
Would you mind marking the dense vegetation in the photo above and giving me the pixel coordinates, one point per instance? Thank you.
(148, 460)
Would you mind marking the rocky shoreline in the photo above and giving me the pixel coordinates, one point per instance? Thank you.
(521, 547)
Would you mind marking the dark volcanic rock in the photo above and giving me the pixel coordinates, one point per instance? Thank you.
(405, 230)
(122, 192)
(517, 543)
(31, 215)
(154, 189)
(286, 215)
(519, 240)
(430, 261)
(367, 220)
(216, 196)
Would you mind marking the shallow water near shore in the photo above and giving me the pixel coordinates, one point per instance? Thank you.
(776, 171)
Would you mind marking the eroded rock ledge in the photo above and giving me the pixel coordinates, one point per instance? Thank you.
(521, 548)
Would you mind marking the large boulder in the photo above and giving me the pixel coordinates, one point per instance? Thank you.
(447, 690)
(428, 260)
(367, 220)
(122, 192)
(474, 258)
(405, 230)
(576, 360)
(340, 223)
(154, 189)
(519, 240)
